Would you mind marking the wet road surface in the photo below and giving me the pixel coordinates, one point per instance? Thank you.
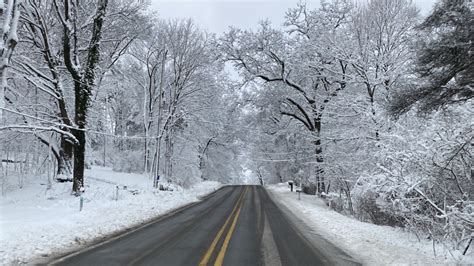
(237, 225)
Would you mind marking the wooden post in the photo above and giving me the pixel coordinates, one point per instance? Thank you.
(105, 147)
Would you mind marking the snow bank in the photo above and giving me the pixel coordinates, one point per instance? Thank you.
(35, 222)
(369, 243)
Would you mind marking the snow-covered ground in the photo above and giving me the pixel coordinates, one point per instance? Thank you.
(369, 243)
(35, 222)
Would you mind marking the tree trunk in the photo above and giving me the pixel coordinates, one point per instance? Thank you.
(65, 161)
(63, 173)
(168, 155)
(63, 157)
(145, 155)
(319, 155)
(82, 97)
(319, 169)
(371, 92)
(79, 159)
(9, 16)
(201, 157)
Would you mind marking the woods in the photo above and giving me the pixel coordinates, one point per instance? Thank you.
(365, 104)
(118, 81)
(358, 104)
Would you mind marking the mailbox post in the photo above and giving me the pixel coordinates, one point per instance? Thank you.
(299, 193)
(157, 180)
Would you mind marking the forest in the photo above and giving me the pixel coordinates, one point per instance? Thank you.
(367, 104)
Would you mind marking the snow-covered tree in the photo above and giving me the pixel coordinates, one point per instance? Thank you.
(9, 14)
(445, 57)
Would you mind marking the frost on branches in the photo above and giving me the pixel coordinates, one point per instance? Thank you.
(357, 104)
(365, 104)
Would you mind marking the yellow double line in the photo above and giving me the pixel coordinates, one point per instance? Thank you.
(220, 256)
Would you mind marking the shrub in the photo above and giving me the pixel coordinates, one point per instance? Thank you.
(309, 188)
(129, 162)
(371, 208)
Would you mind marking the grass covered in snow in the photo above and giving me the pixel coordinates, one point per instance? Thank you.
(369, 243)
(35, 222)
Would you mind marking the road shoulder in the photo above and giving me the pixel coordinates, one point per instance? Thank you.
(333, 253)
(368, 243)
(60, 228)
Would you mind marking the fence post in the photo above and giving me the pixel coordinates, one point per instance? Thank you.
(81, 203)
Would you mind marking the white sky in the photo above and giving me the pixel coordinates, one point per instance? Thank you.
(217, 15)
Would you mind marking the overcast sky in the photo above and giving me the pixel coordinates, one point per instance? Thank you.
(217, 15)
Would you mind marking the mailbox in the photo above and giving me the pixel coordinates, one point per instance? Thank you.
(290, 183)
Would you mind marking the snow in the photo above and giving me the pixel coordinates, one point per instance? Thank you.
(35, 222)
(369, 243)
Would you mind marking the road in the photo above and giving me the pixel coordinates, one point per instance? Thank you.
(237, 225)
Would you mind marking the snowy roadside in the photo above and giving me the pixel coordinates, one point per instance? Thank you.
(370, 244)
(34, 223)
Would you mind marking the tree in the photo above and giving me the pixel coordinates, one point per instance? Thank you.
(382, 34)
(221, 132)
(445, 60)
(45, 71)
(9, 39)
(150, 54)
(174, 104)
(83, 75)
(37, 31)
(312, 76)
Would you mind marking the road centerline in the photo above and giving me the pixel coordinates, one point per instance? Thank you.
(170, 238)
(221, 254)
(210, 250)
(231, 227)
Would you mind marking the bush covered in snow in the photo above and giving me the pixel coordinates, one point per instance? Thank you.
(128, 161)
(423, 180)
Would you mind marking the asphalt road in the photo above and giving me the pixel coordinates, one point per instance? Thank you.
(237, 225)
